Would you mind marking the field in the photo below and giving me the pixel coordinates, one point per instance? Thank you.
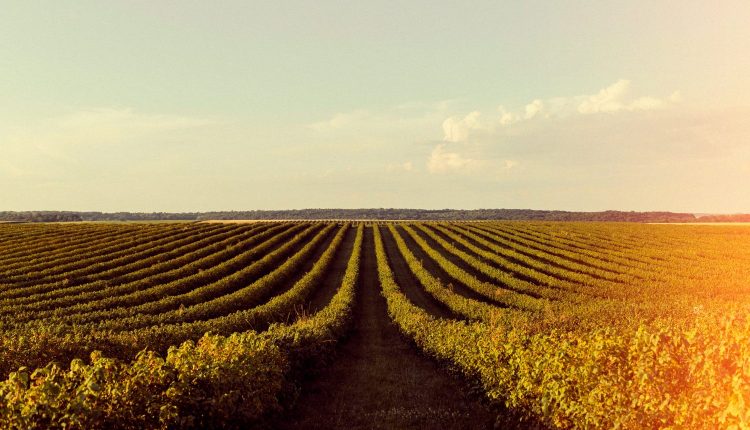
(374, 325)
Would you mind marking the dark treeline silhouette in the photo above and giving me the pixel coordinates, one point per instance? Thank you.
(455, 214)
(725, 218)
(373, 214)
(66, 216)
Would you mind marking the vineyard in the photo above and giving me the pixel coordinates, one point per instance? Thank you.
(374, 325)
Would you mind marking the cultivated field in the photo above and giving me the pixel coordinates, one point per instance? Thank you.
(374, 325)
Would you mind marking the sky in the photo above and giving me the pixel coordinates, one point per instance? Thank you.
(146, 105)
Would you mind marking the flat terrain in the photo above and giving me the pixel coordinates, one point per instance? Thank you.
(704, 223)
(378, 380)
(373, 324)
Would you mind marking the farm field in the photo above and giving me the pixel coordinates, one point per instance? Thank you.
(374, 325)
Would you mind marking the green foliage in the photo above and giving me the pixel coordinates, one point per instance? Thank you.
(217, 382)
(602, 326)
(656, 376)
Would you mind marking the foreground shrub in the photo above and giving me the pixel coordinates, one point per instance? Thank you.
(216, 382)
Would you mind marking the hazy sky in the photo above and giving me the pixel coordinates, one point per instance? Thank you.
(193, 105)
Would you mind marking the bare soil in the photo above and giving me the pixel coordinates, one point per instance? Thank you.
(379, 380)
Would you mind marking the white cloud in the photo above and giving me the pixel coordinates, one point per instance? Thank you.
(646, 103)
(456, 129)
(614, 98)
(532, 109)
(394, 120)
(442, 161)
(341, 120)
(606, 100)
(507, 118)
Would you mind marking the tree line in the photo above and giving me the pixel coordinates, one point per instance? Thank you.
(372, 214)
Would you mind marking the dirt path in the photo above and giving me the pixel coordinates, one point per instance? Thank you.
(380, 381)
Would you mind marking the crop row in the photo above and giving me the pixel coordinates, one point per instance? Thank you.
(244, 289)
(650, 377)
(599, 255)
(122, 338)
(584, 262)
(175, 255)
(87, 296)
(218, 382)
(89, 269)
(54, 260)
(62, 238)
(462, 306)
(205, 272)
(514, 277)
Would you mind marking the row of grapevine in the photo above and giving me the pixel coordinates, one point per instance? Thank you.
(216, 382)
(598, 254)
(535, 267)
(172, 257)
(182, 279)
(107, 265)
(571, 325)
(227, 312)
(604, 378)
(506, 273)
(574, 261)
(59, 262)
(62, 240)
(466, 307)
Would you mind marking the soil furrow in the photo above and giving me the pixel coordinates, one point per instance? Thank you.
(433, 267)
(380, 381)
(410, 285)
(332, 281)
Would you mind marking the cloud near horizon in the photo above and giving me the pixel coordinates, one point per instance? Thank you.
(491, 144)
(406, 166)
(44, 147)
(613, 147)
(443, 161)
(502, 140)
(614, 98)
(100, 126)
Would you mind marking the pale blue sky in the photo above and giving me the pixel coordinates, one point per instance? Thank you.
(188, 105)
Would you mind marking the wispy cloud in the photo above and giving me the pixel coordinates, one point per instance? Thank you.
(342, 120)
(443, 161)
(393, 120)
(456, 129)
(43, 147)
(101, 126)
(128, 120)
(406, 166)
(614, 98)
